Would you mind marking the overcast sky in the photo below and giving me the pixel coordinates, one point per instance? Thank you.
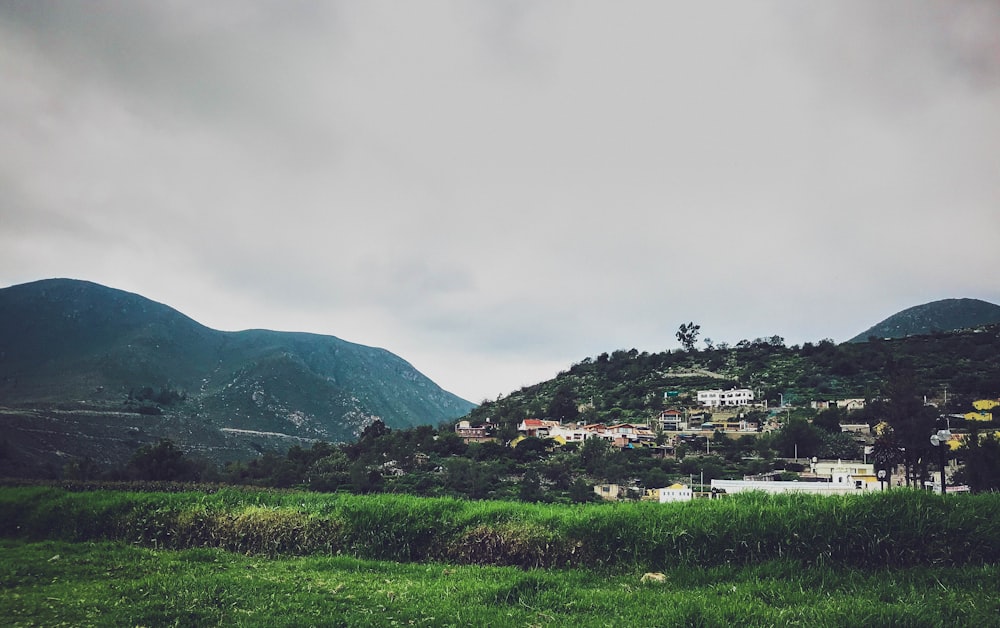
(495, 190)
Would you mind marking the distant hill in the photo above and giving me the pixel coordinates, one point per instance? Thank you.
(951, 369)
(937, 316)
(90, 371)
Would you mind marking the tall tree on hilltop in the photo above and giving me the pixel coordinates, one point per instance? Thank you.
(687, 335)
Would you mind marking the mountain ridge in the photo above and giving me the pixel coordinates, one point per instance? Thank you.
(942, 315)
(90, 348)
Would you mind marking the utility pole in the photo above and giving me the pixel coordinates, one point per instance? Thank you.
(940, 440)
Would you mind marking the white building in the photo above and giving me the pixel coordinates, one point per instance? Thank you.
(672, 493)
(860, 475)
(847, 487)
(846, 404)
(731, 397)
(673, 420)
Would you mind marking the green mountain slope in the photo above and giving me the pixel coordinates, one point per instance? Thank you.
(85, 367)
(937, 316)
(633, 386)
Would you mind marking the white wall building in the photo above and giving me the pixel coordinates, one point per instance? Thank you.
(731, 397)
(672, 493)
(847, 487)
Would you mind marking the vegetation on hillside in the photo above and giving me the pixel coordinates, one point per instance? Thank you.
(894, 377)
(937, 316)
(629, 385)
(68, 340)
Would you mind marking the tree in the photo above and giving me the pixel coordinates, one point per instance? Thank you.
(656, 478)
(981, 454)
(829, 420)
(839, 445)
(798, 438)
(687, 335)
(580, 491)
(531, 448)
(681, 450)
(364, 479)
(563, 406)
(160, 462)
(593, 455)
(329, 472)
(912, 424)
(531, 487)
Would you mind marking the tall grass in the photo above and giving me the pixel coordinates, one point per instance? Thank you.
(892, 529)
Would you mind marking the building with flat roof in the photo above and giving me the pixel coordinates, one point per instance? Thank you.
(732, 397)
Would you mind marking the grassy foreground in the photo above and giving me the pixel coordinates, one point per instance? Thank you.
(898, 528)
(53, 583)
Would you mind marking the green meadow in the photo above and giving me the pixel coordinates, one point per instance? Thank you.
(236, 557)
(55, 583)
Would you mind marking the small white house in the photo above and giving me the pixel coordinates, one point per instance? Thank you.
(672, 493)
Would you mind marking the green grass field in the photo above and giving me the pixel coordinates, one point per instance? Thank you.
(899, 528)
(264, 558)
(112, 584)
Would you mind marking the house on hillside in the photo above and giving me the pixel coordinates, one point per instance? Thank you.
(568, 433)
(672, 420)
(860, 475)
(609, 492)
(628, 435)
(732, 397)
(672, 493)
(561, 433)
(596, 430)
(474, 434)
(845, 404)
(741, 425)
(537, 427)
(983, 410)
(985, 404)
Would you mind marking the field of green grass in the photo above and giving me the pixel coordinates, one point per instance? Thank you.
(897, 528)
(239, 557)
(112, 584)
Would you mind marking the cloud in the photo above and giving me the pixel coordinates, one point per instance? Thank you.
(496, 190)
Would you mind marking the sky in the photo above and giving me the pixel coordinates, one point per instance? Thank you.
(495, 190)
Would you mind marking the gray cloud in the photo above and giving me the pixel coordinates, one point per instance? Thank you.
(494, 190)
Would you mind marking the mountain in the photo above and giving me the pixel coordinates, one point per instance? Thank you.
(951, 369)
(90, 371)
(937, 316)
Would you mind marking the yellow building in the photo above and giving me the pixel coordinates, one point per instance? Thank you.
(985, 404)
(983, 407)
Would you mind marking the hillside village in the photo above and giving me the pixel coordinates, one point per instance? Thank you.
(734, 413)
(270, 409)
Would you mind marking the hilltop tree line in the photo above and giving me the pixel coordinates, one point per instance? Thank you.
(629, 385)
